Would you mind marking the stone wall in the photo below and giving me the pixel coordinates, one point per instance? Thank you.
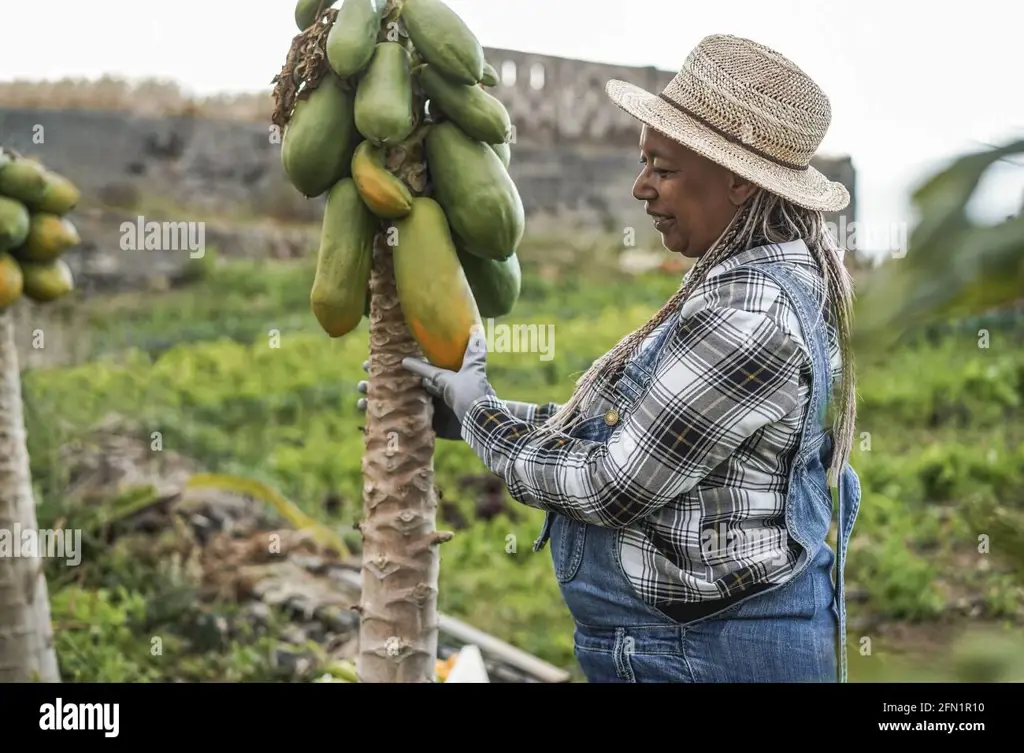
(574, 157)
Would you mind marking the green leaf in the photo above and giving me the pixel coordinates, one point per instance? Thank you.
(953, 267)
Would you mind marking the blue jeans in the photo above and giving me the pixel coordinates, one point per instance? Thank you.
(785, 635)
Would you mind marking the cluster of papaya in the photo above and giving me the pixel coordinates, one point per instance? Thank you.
(34, 231)
(407, 74)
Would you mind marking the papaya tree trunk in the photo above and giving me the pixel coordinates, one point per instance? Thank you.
(26, 635)
(398, 633)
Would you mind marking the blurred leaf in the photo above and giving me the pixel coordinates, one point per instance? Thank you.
(943, 198)
(953, 267)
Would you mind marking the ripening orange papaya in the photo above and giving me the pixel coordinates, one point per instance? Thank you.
(11, 280)
(49, 236)
(384, 193)
(437, 301)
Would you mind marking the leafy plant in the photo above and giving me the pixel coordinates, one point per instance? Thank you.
(954, 266)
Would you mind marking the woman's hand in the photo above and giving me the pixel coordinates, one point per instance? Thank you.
(444, 423)
(459, 389)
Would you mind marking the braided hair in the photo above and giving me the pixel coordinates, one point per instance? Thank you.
(764, 219)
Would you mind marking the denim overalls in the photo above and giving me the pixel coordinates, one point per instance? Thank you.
(786, 633)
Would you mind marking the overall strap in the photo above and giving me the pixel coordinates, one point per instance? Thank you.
(849, 504)
(810, 312)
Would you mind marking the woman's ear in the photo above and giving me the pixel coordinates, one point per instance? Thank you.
(740, 190)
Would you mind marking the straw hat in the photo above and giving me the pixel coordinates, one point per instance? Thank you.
(749, 109)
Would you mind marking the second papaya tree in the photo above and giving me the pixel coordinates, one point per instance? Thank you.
(34, 233)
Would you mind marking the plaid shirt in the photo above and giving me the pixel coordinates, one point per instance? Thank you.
(695, 472)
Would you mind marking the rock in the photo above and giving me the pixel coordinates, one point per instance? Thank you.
(315, 632)
(291, 662)
(258, 613)
(294, 634)
(302, 607)
(337, 620)
(312, 563)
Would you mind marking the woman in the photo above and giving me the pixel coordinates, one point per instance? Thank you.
(685, 480)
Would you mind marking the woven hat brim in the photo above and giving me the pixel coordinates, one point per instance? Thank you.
(806, 188)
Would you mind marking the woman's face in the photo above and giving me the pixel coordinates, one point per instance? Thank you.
(690, 198)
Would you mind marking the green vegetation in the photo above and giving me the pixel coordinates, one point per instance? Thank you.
(236, 375)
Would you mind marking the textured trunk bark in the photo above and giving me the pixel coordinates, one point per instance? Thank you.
(398, 635)
(26, 635)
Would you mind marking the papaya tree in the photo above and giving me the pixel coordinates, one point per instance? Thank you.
(26, 635)
(351, 106)
(33, 234)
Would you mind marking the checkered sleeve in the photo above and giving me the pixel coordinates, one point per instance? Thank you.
(726, 374)
(531, 413)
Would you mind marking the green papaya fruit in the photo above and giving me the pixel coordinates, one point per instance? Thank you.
(306, 12)
(59, 197)
(384, 107)
(320, 138)
(15, 222)
(352, 38)
(344, 260)
(477, 113)
(495, 284)
(479, 197)
(23, 180)
(45, 282)
(504, 152)
(443, 39)
(490, 77)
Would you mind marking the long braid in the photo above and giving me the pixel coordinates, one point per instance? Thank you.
(764, 219)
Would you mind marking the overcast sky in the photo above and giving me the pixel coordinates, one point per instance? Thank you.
(910, 83)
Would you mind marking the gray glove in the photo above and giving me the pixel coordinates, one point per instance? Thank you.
(458, 389)
(444, 423)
